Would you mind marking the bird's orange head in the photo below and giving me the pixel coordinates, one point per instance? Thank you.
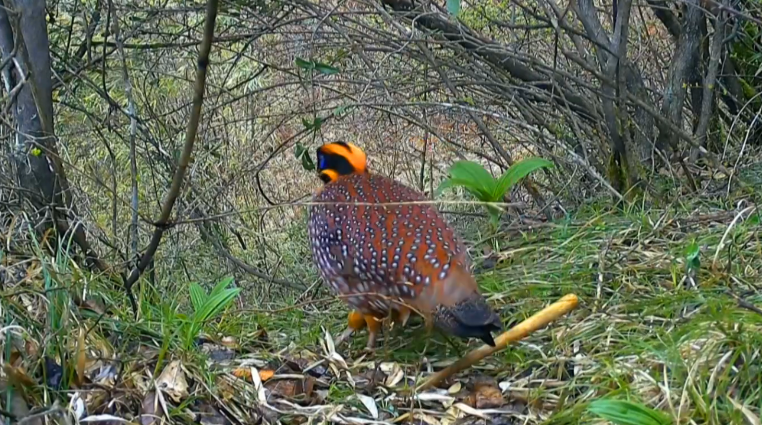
(339, 159)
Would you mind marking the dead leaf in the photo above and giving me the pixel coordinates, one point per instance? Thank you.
(230, 342)
(369, 404)
(242, 373)
(485, 396)
(105, 419)
(445, 399)
(455, 388)
(261, 395)
(452, 416)
(394, 373)
(77, 406)
(266, 374)
(470, 410)
(18, 376)
(172, 382)
(148, 409)
(226, 390)
(296, 390)
(427, 419)
(81, 357)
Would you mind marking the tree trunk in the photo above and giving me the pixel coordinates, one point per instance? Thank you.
(31, 146)
(27, 78)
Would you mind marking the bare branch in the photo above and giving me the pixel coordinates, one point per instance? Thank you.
(132, 112)
(190, 136)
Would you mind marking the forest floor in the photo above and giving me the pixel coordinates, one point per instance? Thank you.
(666, 319)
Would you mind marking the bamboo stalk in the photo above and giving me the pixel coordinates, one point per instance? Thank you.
(539, 320)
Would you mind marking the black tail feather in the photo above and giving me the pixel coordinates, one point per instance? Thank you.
(470, 318)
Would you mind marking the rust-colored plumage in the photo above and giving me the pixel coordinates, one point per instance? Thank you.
(382, 249)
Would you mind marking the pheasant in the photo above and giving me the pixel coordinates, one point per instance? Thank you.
(384, 250)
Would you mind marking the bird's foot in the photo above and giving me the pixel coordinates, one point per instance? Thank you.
(357, 321)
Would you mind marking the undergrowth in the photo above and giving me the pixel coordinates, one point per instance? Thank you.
(667, 320)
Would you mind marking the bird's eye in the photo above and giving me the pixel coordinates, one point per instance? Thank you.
(321, 162)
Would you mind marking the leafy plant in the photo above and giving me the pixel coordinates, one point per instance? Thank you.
(320, 67)
(476, 180)
(206, 307)
(623, 412)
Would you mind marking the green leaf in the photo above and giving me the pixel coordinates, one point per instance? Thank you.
(304, 64)
(301, 153)
(220, 286)
(36, 151)
(313, 125)
(320, 67)
(474, 178)
(518, 171)
(469, 185)
(451, 182)
(453, 6)
(325, 69)
(341, 109)
(622, 412)
(215, 304)
(692, 258)
(197, 296)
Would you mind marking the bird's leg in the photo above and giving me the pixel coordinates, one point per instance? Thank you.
(374, 326)
(356, 321)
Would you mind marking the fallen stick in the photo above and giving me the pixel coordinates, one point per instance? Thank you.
(549, 314)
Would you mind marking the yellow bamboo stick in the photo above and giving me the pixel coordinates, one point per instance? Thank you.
(539, 320)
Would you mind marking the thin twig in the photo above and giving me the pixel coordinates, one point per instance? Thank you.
(190, 136)
(132, 112)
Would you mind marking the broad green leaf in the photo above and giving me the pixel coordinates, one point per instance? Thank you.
(469, 185)
(197, 296)
(479, 181)
(518, 171)
(326, 69)
(221, 286)
(215, 305)
(453, 6)
(304, 64)
(622, 412)
(218, 299)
